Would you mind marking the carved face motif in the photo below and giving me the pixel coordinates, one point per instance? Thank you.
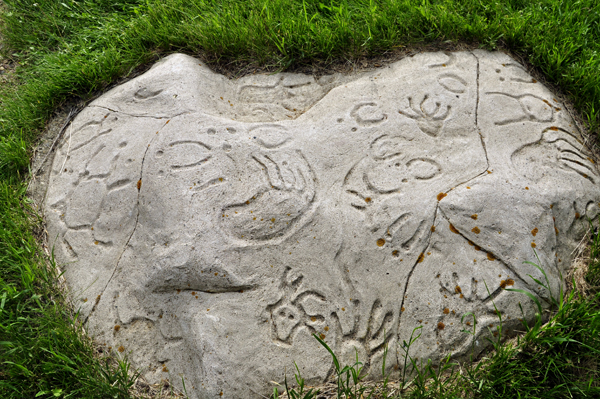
(201, 214)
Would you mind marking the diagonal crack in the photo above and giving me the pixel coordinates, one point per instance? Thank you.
(139, 116)
(99, 298)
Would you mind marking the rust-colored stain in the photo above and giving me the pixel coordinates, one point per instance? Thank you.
(577, 215)
(446, 310)
(178, 291)
(591, 160)
(326, 328)
(453, 229)
(440, 196)
(368, 199)
(533, 245)
(168, 122)
(117, 327)
(421, 258)
(441, 325)
(380, 242)
(507, 282)
(526, 188)
(457, 289)
(554, 128)
(468, 323)
(476, 230)
(221, 393)
(313, 318)
(322, 336)
(95, 242)
(490, 257)
(474, 216)
(551, 206)
(139, 184)
(432, 229)
(402, 309)
(555, 230)
(395, 253)
(534, 232)
(121, 349)
(165, 369)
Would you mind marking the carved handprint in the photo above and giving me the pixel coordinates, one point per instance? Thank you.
(286, 194)
(556, 147)
(429, 118)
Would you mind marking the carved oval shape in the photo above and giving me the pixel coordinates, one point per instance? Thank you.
(270, 136)
(453, 83)
(186, 154)
(423, 168)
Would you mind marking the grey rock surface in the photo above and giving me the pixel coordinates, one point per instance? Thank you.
(208, 227)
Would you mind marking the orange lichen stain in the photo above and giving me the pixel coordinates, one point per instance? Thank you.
(444, 65)
(167, 122)
(446, 310)
(457, 289)
(380, 242)
(165, 369)
(117, 327)
(441, 326)
(533, 245)
(476, 247)
(534, 81)
(555, 230)
(84, 299)
(208, 310)
(489, 172)
(468, 188)
(454, 312)
(368, 199)
(221, 393)
(474, 216)
(160, 316)
(534, 232)
(577, 215)
(216, 274)
(139, 184)
(584, 175)
(476, 230)
(453, 229)
(421, 258)
(395, 253)
(220, 179)
(445, 296)
(252, 218)
(326, 328)
(343, 309)
(432, 229)
(428, 253)
(490, 257)
(313, 319)
(440, 196)
(468, 323)
(507, 282)
(193, 293)
(178, 291)
(554, 128)
(95, 242)
(322, 336)
(402, 309)
(121, 349)
(591, 160)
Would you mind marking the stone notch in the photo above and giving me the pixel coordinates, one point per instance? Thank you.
(208, 227)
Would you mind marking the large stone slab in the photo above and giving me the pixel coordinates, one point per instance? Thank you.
(208, 227)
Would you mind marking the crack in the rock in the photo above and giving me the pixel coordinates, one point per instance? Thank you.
(140, 116)
(99, 298)
(437, 205)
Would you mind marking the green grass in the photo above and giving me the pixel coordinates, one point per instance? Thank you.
(71, 50)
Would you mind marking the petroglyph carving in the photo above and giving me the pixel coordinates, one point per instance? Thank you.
(532, 108)
(201, 214)
(429, 114)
